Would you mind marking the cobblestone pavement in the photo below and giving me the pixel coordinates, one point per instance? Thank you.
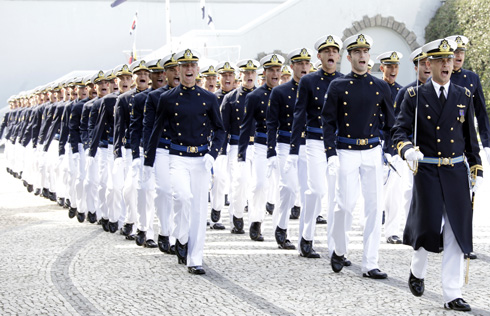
(53, 265)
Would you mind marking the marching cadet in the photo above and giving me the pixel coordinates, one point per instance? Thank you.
(232, 113)
(221, 170)
(78, 153)
(405, 176)
(256, 104)
(210, 77)
(26, 142)
(390, 63)
(260, 76)
(370, 65)
(440, 115)
(356, 108)
(285, 74)
(163, 196)
(280, 114)
(144, 202)
(199, 80)
(91, 181)
(471, 81)
(191, 113)
(307, 110)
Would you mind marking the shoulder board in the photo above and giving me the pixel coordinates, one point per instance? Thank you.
(467, 92)
(411, 92)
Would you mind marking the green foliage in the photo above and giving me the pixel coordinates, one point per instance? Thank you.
(469, 18)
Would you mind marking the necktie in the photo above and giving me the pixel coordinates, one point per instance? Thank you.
(442, 97)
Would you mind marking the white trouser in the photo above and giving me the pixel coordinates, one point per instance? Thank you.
(129, 190)
(163, 196)
(289, 187)
(190, 182)
(365, 165)
(316, 168)
(53, 165)
(273, 187)
(219, 184)
(28, 173)
(118, 176)
(65, 174)
(394, 206)
(91, 183)
(144, 199)
(105, 189)
(18, 157)
(452, 264)
(260, 184)
(241, 175)
(77, 188)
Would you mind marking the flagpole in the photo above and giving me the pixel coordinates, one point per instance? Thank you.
(167, 20)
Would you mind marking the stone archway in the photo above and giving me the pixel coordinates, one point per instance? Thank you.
(388, 22)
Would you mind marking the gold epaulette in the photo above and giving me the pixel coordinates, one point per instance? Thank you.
(400, 146)
(394, 105)
(411, 92)
(467, 92)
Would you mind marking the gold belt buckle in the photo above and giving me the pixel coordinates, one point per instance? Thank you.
(192, 149)
(362, 141)
(252, 138)
(445, 161)
(303, 134)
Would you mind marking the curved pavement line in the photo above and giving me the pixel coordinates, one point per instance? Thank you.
(60, 276)
(247, 296)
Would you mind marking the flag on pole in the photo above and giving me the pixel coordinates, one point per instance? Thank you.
(117, 2)
(210, 20)
(203, 9)
(133, 56)
(133, 24)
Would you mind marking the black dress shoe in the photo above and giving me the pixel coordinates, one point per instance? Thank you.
(30, 188)
(375, 274)
(383, 218)
(306, 249)
(236, 231)
(196, 270)
(281, 238)
(52, 196)
(37, 192)
(245, 209)
(215, 215)
(67, 203)
(72, 212)
(227, 202)
(471, 255)
(320, 220)
(45, 193)
(238, 223)
(458, 304)
(172, 250)
(218, 226)
(24, 182)
(81, 217)
(140, 237)
(255, 231)
(295, 212)
(395, 240)
(126, 229)
(131, 237)
(163, 243)
(337, 262)
(416, 285)
(150, 243)
(181, 252)
(92, 217)
(269, 207)
(61, 201)
(113, 227)
(105, 224)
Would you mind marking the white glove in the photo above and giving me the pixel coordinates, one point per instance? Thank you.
(208, 162)
(413, 155)
(291, 161)
(118, 164)
(333, 165)
(136, 163)
(271, 165)
(478, 184)
(147, 170)
(487, 151)
(89, 162)
(76, 157)
(60, 161)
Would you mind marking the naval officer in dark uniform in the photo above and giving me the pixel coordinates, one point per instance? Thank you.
(190, 113)
(440, 116)
(356, 108)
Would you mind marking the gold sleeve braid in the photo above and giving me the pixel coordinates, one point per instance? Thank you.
(400, 146)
